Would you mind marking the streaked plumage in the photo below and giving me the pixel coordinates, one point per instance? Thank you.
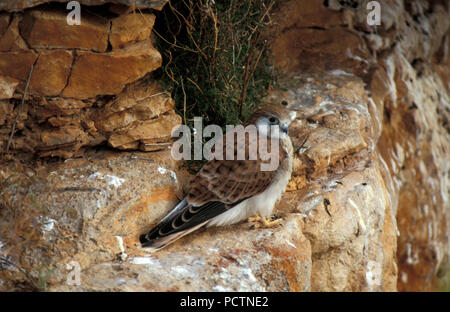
(227, 191)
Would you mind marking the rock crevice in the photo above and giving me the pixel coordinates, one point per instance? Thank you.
(78, 70)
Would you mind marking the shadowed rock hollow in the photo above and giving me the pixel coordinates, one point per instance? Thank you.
(366, 208)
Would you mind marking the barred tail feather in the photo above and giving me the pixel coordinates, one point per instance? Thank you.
(162, 241)
(182, 220)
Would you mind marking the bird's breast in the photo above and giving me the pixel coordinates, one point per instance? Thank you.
(264, 202)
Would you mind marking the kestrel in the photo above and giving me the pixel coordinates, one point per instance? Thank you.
(225, 191)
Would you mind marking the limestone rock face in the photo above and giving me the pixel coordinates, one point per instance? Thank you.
(366, 208)
(75, 72)
(337, 185)
(17, 5)
(337, 223)
(11, 39)
(95, 74)
(17, 64)
(130, 28)
(51, 72)
(7, 87)
(402, 66)
(49, 29)
(309, 49)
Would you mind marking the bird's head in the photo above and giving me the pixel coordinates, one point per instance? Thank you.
(272, 120)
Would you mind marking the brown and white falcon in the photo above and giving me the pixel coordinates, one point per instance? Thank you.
(227, 191)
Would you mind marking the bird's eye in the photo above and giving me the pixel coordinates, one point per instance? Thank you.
(273, 120)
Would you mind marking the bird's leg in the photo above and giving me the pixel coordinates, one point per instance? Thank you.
(267, 222)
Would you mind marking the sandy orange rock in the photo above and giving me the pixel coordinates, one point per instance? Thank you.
(307, 14)
(306, 49)
(107, 73)
(160, 128)
(51, 72)
(7, 87)
(15, 5)
(4, 22)
(17, 64)
(49, 29)
(62, 136)
(11, 39)
(142, 101)
(131, 28)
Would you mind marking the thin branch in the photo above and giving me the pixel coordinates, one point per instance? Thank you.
(262, 17)
(257, 61)
(20, 107)
(182, 16)
(196, 85)
(246, 79)
(184, 100)
(173, 44)
(216, 32)
(167, 65)
(244, 86)
(196, 45)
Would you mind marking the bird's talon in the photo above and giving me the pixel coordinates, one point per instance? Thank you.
(254, 219)
(267, 222)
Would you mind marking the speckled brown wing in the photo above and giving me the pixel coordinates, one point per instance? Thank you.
(231, 181)
(218, 186)
(228, 181)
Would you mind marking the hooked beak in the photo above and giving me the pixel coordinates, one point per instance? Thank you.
(284, 128)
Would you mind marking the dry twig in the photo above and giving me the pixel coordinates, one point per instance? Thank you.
(20, 108)
(184, 100)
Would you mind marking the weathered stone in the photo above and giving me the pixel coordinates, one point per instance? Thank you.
(6, 110)
(154, 145)
(64, 141)
(58, 106)
(139, 102)
(345, 255)
(131, 28)
(101, 208)
(335, 182)
(10, 39)
(60, 121)
(51, 72)
(107, 73)
(310, 250)
(4, 22)
(62, 136)
(129, 146)
(17, 64)
(7, 87)
(415, 151)
(12, 114)
(311, 13)
(312, 50)
(49, 29)
(443, 62)
(160, 128)
(409, 97)
(19, 5)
